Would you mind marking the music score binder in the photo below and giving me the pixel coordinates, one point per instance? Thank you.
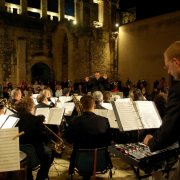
(136, 115)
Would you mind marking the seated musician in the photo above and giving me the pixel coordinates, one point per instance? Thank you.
(36, 134)
(88, 130)
(98, 96)
(48, 93)
(43, 102)
(16, 95)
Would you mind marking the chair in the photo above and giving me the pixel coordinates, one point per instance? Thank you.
(90, 162)
(32, 158)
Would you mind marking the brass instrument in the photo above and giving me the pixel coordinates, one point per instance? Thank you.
(78, 106)
(57, 146)
(7, 104)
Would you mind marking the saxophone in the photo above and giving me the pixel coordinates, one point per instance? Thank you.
(78, 105)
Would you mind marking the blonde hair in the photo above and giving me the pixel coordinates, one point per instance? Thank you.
(46, 92)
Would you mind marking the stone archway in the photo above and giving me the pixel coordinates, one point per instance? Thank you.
(61, 54)
(42, 72)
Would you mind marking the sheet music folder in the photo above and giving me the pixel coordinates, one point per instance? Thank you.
(136, 115)
(52, 115)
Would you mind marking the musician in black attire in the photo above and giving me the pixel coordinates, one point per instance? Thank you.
(97, 83)
(43, 102)
(36, 134)
(169, 132)
(88, 130)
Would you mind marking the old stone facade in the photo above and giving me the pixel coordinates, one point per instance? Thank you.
(69, 48)
(59, 47)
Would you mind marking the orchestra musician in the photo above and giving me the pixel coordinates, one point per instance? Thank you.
(36, 134)
(98, 96)
(169, 132)
(16, 95)
(88, 130)
(43, 102)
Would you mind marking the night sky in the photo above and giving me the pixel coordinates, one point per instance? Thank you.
(144, 8)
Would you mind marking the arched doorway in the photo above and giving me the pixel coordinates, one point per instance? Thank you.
(41, 72)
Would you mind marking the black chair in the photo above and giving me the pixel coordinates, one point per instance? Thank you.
(90, 162)
(32, 158)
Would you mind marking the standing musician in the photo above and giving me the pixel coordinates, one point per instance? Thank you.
(169, 132)
(36, 134)
(88, 130)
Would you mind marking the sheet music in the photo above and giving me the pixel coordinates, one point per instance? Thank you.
(54, 99)
(10, 122)
(107, 106)
(43, 111)
(2, 119)
(126, 116)
(9, 150)
(101, 112)
(59, 104)
(9, 112)
(55, 116)
(149, 115)
(52, 115)
(112, 119)
(69, 107)
(64, 99)
(108, 114)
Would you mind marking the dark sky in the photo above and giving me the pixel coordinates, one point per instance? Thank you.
(144, 8)
(150, 8)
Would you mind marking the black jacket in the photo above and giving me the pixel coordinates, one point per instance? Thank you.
(90, 131)
(169, 132)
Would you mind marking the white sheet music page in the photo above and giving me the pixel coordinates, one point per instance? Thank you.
(107, 106)
(149, 115)
(10, 122)
(108, 114)
(101, 112)
(128, 116)
(64, 99)
(3, 119)
(9, 150)
(43, 111)
(112, 119)
(69, 107)
(55, 116)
